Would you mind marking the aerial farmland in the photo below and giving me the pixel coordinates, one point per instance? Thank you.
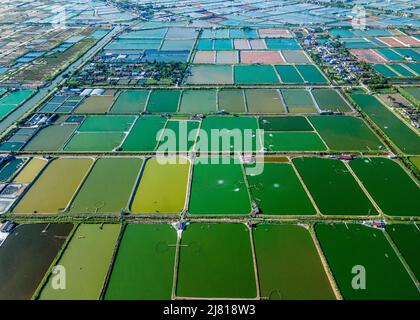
(203, 150)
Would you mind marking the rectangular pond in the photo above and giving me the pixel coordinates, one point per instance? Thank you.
(333, 187)
(264, 101)
(108, 186)
(286, 123)
(346, 133)
(219, 259)
(54, 189)
(255, 74)
(162, 101)
(198, 101)
(94, 141)
(278, 191)
(130, 101)
(144, 266)
(218, 188)
(293, 141)
(289, 74)
(95, 104)
(144, 135)
(407, 239)
(229, 134)
(31, 169)
(395, 192)
(179, 135)
(289, 267)
(298, 101)
(231, 100)
(26, 255)
(162, 187)
(210, 74)
(50, 138)
(330, 100)
(86, 260)
(350, 248)
(406, 139)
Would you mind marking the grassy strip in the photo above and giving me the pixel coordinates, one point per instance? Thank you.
(63, 218)
(411, 167)
(112, 263)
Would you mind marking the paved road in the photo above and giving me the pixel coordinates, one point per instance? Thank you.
(32, 102)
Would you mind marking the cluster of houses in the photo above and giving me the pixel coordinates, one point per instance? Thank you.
(120, 72)
(332, 56)
(410, 112)
(414, 115)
